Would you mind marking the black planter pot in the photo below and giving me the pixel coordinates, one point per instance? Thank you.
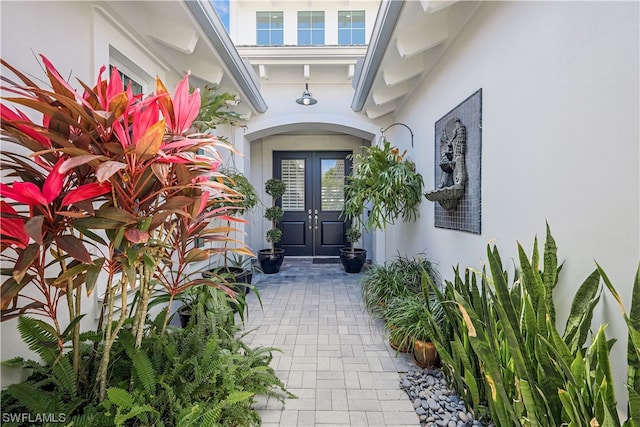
(233, 275)
(352, 262)
(184, 314)
(270, 263)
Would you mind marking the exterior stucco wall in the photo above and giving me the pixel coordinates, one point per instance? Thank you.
(560, 143)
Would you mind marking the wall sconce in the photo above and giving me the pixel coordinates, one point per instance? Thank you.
(387, 128)
(306, 98)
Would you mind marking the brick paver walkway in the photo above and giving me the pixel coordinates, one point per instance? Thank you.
(334, 358)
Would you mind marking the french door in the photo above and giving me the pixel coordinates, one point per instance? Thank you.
(312, 204)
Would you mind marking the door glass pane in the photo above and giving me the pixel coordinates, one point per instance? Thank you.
(332, 184)
(293, 177)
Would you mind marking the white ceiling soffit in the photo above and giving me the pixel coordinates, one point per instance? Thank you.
(420, 34)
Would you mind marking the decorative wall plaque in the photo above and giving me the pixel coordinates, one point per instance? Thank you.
(458, 143)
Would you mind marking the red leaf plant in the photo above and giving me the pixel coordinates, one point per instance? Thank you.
(106, 181)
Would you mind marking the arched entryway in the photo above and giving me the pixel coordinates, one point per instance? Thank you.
(312, 153)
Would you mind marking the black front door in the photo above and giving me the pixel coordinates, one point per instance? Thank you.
(312, 204)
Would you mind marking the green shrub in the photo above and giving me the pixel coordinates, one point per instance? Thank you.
(503, 349)
(202, 374)
(398, 277)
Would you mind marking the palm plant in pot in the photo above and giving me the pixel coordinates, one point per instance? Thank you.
(387, 182)
(271, 259)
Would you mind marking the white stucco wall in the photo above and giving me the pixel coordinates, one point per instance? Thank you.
(560, 143)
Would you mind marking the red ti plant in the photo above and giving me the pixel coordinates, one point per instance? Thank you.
(108, 170)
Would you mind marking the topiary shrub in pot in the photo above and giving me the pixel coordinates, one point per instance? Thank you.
(271, 259)
(353, 258)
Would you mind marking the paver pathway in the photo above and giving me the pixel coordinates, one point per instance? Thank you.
(334, 357)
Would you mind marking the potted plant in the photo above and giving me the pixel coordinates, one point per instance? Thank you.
(353, 258)
(385, 181)
(400, 314)
(398, 277)
(271, 259)
(431, 316)
(236, 271)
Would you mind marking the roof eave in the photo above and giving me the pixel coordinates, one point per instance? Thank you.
(207, 18)
(386, 20)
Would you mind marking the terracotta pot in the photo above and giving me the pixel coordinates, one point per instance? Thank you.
(425, 354)
(398, 345)
(401, 347)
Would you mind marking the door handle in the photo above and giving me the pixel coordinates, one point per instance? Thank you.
(316, 221)
(310, 219)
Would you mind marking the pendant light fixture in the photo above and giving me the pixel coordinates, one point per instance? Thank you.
(306, 98)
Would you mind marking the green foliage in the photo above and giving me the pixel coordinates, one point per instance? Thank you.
(247, 195)
(503, 349)
(398, 277)
(274, 235)
(353, 234)
(275, 187)
(200, 375)
(411, 317)
(215, 110)
(386, 181)
(274, 213)
(126, 407)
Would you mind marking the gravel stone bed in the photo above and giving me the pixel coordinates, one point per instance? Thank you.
(435, 403)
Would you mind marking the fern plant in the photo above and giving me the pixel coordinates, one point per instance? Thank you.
(387, 182)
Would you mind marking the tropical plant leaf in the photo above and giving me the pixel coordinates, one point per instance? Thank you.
(120, 397)
(26, 258)
(149, 144)
(33, 228)
(29, 396)
(11, 289)
(93, 272)
(579, 320)
(74, 247)
(63, 372)
(40, 337)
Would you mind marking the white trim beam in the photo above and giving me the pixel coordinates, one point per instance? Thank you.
(419, 39)
(263, 71)
(180, 38)
(374, 112)
(432, 6)
(387, 94)
(403, 70)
